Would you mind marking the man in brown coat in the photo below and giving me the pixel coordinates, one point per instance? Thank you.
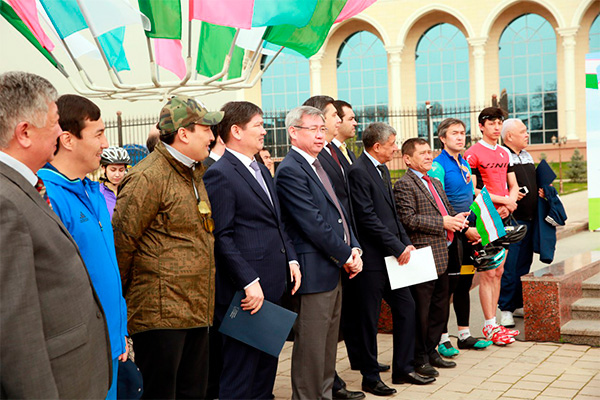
(164, 241)
(429, 220)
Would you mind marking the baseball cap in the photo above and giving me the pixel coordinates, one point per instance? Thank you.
(182, 111)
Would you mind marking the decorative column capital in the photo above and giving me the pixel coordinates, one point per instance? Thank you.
(395, 50)
(478, 46)
(568, 36)
(315, 63)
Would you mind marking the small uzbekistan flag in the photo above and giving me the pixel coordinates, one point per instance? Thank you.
(489, 223)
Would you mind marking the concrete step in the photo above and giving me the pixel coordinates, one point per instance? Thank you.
(580, 331)
(591, 287)
(587, 308)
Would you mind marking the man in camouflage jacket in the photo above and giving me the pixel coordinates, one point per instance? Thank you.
(164, 241)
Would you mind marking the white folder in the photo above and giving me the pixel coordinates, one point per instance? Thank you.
(420, 268)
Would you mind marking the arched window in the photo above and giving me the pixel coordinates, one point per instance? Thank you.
(362, 77)
(527, 56)
(595, 35)
(284, 86)
(442, 71)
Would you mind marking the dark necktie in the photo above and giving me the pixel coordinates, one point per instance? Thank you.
(387, 179)
(260, 179)
(329, 189)
(334, 155)
(440, 204)
(41, 188)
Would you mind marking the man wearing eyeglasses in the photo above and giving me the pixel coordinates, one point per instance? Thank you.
(164, 241)
(337, 167)
(253, 252)
(325, 244)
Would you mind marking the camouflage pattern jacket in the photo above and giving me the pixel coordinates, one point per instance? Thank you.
(164, 252)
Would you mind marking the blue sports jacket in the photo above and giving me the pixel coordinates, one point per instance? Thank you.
(82, 209)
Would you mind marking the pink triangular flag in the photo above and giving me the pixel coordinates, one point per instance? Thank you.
(168, 55)
(234, 13)
(352, 8)
(27, 11)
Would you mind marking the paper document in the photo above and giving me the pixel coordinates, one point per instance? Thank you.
(420, 268)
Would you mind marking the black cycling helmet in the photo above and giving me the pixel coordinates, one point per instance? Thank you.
(489, 257)
(515, 232)
(115, 155)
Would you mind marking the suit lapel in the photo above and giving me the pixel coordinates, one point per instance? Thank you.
(34, 195)
(377, 178)
(251, 180)
(312, 174)
(423, 189)
(324, 156)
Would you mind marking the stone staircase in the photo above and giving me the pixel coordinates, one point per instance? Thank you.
(584, 327)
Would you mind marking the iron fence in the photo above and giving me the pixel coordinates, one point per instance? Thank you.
(421, 121)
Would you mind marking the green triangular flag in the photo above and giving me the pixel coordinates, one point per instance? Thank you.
(165, 17)
(11, 16)
(309, 39)
(215, 41)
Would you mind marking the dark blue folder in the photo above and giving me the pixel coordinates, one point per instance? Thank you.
(265, 330)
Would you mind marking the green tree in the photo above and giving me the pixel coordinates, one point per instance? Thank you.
(577, 169)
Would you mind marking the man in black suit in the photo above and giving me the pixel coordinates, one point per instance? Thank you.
(319, 227)
(252, 250)
(336, 166)
(381, 234)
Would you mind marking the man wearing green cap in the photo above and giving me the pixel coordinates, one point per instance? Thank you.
(164, 241)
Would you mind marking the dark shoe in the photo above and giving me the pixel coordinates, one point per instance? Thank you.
(426, 370)
(439, 363)
(383, 367)
(344, 394)
(414, 378)
(378, 388)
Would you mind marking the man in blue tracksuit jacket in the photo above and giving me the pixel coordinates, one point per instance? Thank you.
(82, 209)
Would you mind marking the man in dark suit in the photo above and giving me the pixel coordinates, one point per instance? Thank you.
(217, 149)
(381, 234)
(429, 220)
(53, 336)
(336, 166)
(325, 244)
(252, 250)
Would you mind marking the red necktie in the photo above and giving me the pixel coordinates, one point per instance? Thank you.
(334, 155)
(41, 188)
(438, 201)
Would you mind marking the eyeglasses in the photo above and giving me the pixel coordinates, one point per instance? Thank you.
(312, 129)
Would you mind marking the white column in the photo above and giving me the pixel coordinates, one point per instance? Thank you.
(395, 87)
(568, 42)
(478, 48)
(315, 74)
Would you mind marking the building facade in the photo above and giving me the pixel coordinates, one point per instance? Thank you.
(398, 54)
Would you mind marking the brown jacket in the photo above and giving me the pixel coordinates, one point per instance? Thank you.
(421, 216)
(165, 255)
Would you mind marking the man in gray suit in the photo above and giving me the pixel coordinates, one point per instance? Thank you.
(53, 336)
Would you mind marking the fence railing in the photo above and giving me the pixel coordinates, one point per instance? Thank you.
(421, 121)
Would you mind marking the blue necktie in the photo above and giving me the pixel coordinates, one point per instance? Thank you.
(260, 179)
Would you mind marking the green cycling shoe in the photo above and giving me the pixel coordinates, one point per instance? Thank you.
(447, 350)
(473, 343)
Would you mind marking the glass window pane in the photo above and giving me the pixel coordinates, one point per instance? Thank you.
(595, 35)
(527, 70)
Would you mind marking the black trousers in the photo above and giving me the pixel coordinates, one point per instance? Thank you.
(173, 362)
(459, 286)
(431, 299)
(374, 286)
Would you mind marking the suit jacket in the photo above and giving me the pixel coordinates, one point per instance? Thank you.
(339, 179)
(250, 241)
(313, 223)
(208, 161)
(53, 336)
(421, 217)
(380, 232)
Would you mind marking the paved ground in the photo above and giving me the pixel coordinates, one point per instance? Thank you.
(522, 370)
